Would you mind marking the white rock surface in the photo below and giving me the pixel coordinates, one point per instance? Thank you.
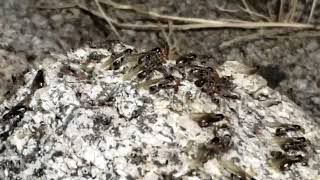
(98, 126)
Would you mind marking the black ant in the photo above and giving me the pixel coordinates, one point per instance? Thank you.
(220, 143)
(292, 143)
(283, 161)
(169, 82)
(282, 129)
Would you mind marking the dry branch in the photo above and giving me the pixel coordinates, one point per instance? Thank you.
(187, 22)
(253, 13)
(199, 23)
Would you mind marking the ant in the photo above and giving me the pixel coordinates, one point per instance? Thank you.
(169, 82)
(39, 81)
(220, 143)
(282, 129)
(283, 161)
(147, 63)
(293, 144)
(17, 110)
(209, 81)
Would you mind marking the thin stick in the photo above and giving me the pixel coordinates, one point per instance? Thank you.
(252, 13)
(251, 37)
(312, 10)
(245, 4)
(294, 4)
(170, 40)
(280, 15)
(269, 8)
(222, 9)
(167, 36)
(303, 34)
(57, 7)
(267, 34)
(108, 19)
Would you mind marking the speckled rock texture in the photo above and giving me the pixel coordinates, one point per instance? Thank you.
(81, 118)
(36, 32)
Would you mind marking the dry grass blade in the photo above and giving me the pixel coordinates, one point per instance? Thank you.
(67, 6)
(281, 9)
(241, 39)
(254, 36)
(190, 23)
(291, 14)
(222, 9)
(314, 3)
(156, 15)
(269, 34)
(108, 19)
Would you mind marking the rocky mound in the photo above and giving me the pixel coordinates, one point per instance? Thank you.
(118, 114)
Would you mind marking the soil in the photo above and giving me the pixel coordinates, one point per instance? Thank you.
(289, 60)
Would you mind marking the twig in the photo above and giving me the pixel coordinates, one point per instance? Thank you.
(226, 10)
(250, 37)
(245, 4)
(280, 14)
(314, 3)
(256, 14)
(167, 36)
(56, 7)
(270, 13)
(292, 10)
(303, 34)
(269, 34)
(108, 19)
(252, 13)
(170, 40)
(223, 9)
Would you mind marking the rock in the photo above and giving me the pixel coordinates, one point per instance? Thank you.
(94, 118)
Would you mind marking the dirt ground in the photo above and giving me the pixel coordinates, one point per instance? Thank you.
(289, 60)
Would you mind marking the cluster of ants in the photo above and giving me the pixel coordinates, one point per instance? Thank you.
(186, 67)
(207, 79)
(219, 144)
(147, 64)
(294, 148)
